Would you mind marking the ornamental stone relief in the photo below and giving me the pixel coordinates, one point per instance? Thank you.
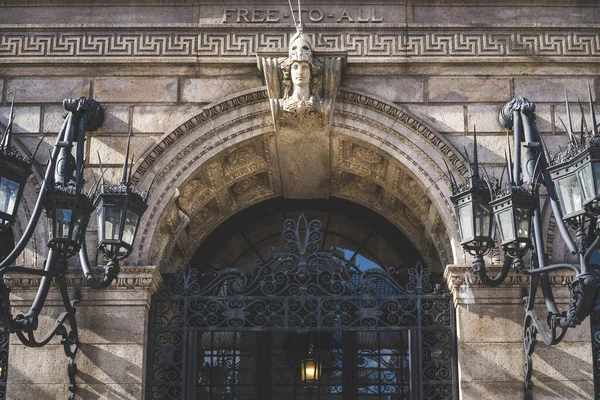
(229, 158)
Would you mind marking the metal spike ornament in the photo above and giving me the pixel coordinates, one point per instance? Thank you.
(16, 169)
(572, 181)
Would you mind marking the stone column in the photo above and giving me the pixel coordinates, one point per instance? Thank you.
(113, 327)
(491, 357)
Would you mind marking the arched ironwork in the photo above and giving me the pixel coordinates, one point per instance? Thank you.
(302, 289)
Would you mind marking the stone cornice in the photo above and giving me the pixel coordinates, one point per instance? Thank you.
(130, 278)
(457, 276)
(185, 43)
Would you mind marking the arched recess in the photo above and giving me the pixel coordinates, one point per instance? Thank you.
(225, 159)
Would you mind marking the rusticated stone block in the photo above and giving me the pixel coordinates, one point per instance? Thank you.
(503, 361)
(563, 389)
(121, 391)
(209, 89)
(27, 119)
(565, 361)
(391, 88)
(135, 90)
(459, 89)
(492, 390)
(161, 119)
(441, 118)
(43, 154)
(515, 13)
(47, 90)
(490, 148)
(490, 323)
(116, 119)
(550, 89)
(112, 148)
(111, 363)
(97, 14)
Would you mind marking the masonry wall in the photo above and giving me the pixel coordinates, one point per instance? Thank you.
(153, 65)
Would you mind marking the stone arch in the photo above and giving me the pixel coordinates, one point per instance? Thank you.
(225, 159)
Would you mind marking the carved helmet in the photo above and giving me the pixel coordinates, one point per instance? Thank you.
(300, 48)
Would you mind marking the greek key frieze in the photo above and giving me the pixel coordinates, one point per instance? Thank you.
(245, 43)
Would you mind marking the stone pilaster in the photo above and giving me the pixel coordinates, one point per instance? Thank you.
(491, 357)
(112, 325)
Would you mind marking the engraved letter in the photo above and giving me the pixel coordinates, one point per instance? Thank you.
(272, 15)
(315, 15)
(345, 15)
(360, 16)
(256, 15)
(226, 13)
(373, 16)
(242, 13)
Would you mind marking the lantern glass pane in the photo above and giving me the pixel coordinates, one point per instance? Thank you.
(482, 220)
(131, 222)
(63, 221)
(505, 225)
(112, 222)
(570, 194)
(310, 370)
(587, 183)
(8, 195)
(522, 223)
(596, 168)
(465, 222)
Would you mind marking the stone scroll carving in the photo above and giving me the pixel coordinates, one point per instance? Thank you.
(302, 87)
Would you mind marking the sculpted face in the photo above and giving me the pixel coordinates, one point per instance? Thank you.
(300, 73)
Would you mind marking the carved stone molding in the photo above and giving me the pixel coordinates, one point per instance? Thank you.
(205, 161)
(457, 276)
(130, 278)
(216, 44)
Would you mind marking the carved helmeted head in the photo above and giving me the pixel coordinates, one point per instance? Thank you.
(300, 48)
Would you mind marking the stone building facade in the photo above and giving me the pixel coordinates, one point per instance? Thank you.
(408, 81)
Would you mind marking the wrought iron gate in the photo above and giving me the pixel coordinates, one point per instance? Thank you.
(302, 289)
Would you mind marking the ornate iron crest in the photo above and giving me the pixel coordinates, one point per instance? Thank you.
(303, 270)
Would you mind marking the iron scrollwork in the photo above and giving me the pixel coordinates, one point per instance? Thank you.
(302, 288)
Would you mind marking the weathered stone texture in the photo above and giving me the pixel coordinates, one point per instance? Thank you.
(112, 148)
(209, 89)
(468, 90)
(116, 119)
(161, 119)
(95, 14)
(551, 89)
(474, 14)
(448, 118)
(390, 88)
(48, 90)
(27, 119)
(135, 90)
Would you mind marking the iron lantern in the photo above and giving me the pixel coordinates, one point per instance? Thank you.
(14, 171)
(119, 211)
(68, 214)
(472, 207)
(310, 368)
(577, 183)
(513, 212)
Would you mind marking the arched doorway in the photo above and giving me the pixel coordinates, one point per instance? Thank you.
(380, 329)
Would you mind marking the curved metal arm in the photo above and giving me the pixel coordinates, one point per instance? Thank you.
(37, 210)
(479, 269)
(111, 270)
